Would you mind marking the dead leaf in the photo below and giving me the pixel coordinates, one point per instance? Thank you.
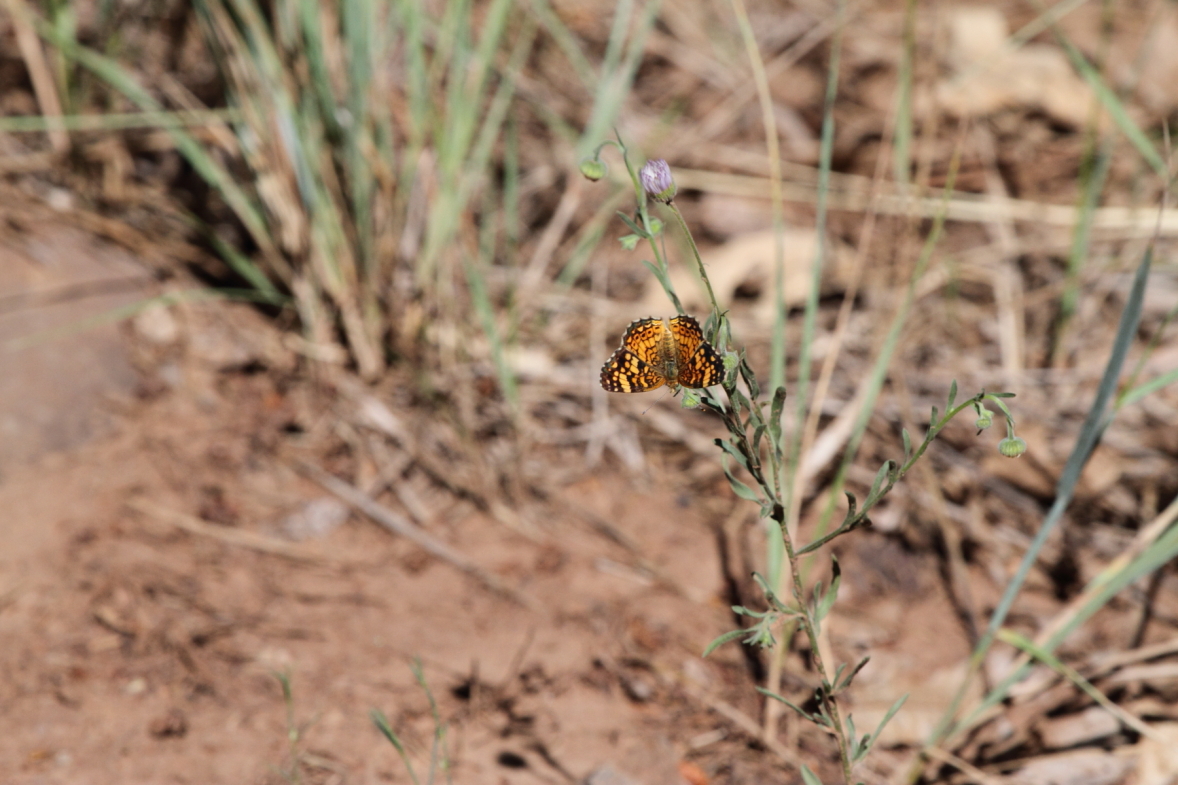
(990, 75)
(1157, 761)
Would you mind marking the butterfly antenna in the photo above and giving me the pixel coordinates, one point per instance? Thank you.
(656, 402)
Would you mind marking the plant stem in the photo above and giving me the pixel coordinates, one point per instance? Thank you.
(703, 274)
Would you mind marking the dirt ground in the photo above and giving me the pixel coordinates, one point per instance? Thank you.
(143, 637)
(138, 651)
(178, 544)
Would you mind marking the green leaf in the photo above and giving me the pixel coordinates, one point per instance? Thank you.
(996, 398)
(874, 737)
(630, 241)
(743, 611)
(952, 395)
(731, 449)
(382, 724)
(749, 377)
(740, 402)
(907, 444)
(807, 715)
(758, 434)
(1147, 388)
(632, 226)
(880, 476)
(721, 640)
(827, 600)
(742, 490)
(775, 410)
(809, 777)
(845, 683)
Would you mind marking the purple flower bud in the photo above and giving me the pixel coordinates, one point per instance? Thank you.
(657, 181)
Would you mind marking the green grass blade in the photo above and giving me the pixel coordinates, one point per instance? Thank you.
(1049, 659)
(1113, 105)
(1093, 185)
(382, 724)
(566, 41)
(902, 136)
(119, 121)
(1148, 388)
(810, 319)
(1107, 586)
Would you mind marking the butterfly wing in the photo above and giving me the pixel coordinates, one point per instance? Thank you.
(626, 372)
(637, 365)
(644, 338)
(699, 364)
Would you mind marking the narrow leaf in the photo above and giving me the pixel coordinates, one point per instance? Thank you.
(732, 450)
(812, 717)
(828, 599)
(845, 683)
(879, 731)
(632, 226)
(809, 777)
(721, 640)
(880, 476)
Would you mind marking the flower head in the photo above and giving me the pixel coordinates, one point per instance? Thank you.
(657, 181)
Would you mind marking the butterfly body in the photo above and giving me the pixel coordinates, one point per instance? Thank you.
(657, 352)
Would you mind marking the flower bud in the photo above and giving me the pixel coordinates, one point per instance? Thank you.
(1012, 446)
(593, 169)
(985, 418)
(657, 181)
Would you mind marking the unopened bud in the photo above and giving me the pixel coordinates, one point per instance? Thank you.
(657, 181)
(593, 169)
(985, 418)
(1012, 446)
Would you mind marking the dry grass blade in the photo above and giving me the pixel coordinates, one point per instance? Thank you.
(965, 767)
(236, 537)
(39, 74)
(853, 194)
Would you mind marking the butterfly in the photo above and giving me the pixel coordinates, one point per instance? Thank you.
(655, 352)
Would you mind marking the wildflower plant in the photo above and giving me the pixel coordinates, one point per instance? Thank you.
(754, 461)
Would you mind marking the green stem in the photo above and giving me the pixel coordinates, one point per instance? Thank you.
(703, 273)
